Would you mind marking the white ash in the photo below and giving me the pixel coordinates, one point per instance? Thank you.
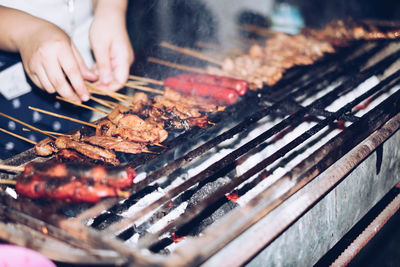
(281, 170)
(320, 93)
(377, 101)
(278, 169)
(353, 94)
(148, 199)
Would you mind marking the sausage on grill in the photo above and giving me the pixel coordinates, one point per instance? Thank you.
(240, 86)
(118, 177)
(221, 94)
(63, 188)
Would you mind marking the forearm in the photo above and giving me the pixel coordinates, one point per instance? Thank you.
(15, 25)
(110, 7)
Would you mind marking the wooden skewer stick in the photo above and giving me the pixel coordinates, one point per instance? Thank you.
(145, 89)
(46, 132)
(137, 82)
(144, 79)
(81, 105)
(18, 136)
(176, 66)
(25, 124)
(120, 97)
(8, 182)
(62, 116)
(190, 52)
(103, 102)
(116, 96)
(10, 168)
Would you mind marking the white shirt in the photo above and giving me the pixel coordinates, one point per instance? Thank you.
(73, 16)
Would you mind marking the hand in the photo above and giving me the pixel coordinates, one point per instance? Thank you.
(53, 63)
(111, 45)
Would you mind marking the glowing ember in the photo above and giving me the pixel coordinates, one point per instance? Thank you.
(233, 196)
(364, 105)
(176, 238)
(44, 230)
(340, 124)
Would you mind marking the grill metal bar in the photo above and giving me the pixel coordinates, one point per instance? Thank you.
(241, 219)
(195, 153)
(304, 87)
(229, 159)
(188, 216)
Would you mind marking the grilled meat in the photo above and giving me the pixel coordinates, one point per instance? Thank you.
(116, 144)
(93, 152)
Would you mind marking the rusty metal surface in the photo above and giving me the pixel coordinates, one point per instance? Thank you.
(373, 228)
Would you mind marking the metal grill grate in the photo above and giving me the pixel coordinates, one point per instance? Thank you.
(166, 205)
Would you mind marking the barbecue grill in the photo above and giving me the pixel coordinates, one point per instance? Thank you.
(280, 178)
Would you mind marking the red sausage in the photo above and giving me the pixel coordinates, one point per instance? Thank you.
(240, 86)
(221, 94)
(63, 188)
(115, 176)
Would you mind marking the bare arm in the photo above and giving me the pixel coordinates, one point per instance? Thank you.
(110, 43)
(48, 55)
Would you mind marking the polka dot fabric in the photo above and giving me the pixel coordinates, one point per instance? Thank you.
(18, 108)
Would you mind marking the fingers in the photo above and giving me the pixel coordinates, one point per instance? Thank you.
(51, 70)
(87, 74)
(72, 71)
(103, 62)
(59, 82)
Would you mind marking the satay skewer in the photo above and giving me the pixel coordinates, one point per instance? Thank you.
(190, 52)
(82, 122)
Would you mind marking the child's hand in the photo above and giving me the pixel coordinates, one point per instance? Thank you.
(111, 45)
(52, 61)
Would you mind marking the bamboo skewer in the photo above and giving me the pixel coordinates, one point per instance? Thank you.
(81, 105)
(10, 168)
(8, 182)
(176, 66)
(47, 132)
(120, 97)
(144, 79)
(18, 136)
(103, 102)
(62, 116)
(25, 124)
(190, 52)
(145, 89)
